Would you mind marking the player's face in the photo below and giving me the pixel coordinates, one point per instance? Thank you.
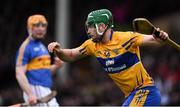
(39, 30)
(92, 33)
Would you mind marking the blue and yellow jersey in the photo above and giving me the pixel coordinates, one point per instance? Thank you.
(36, 58)
(120, 58)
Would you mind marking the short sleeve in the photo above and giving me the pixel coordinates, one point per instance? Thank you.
(23, 55)
(138, 38)
(132, 40)
(86, 47)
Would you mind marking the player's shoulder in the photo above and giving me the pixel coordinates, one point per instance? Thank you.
(89, 41)
(121, 35)
(125, 34)
(24, 44)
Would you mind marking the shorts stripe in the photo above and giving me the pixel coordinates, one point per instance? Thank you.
(146, 96)
(139, 98)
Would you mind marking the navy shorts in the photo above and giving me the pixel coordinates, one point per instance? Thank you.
(146, 96)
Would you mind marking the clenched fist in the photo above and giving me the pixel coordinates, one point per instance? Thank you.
(32, 100)
(162, 35)
(54, 46)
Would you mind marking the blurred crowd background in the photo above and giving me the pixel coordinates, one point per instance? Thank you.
(86, 83)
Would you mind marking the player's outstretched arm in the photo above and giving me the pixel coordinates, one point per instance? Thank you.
(67, 55)
(153, 40)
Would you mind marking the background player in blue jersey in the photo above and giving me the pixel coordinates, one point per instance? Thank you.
(33, 63)
(119, 54)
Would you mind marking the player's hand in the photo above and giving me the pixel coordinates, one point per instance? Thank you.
(163, 35)
(32, 100)
(58, 63)
(54, 46)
